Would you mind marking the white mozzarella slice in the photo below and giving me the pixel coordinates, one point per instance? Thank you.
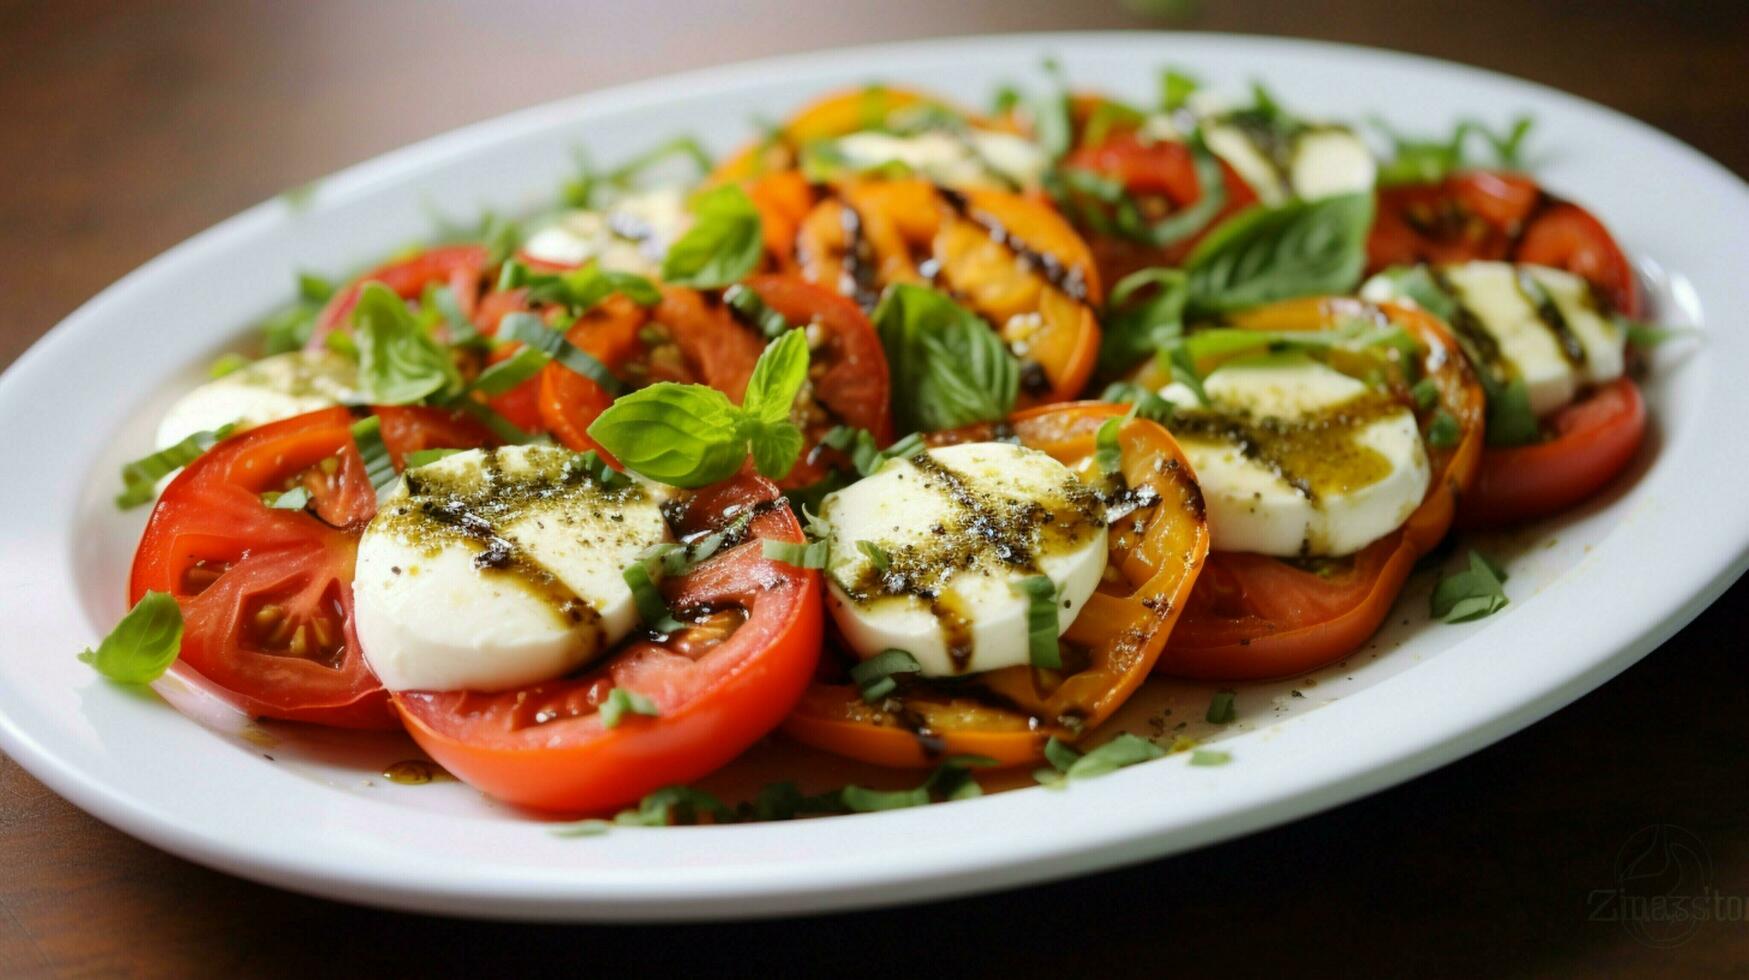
(267, 390)
(1497, 301)
(1321, 161)
(1331, 161)
(630, 236)
(491, 569)
(961, 525)
(1366, 480)
(979, 158)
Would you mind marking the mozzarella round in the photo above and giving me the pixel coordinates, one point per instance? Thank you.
(1296, 459)
(1492, 297)
(632, 235)
(267, 390)
(1318, 161)
(492, 569)
(976, 158)
(961, 526)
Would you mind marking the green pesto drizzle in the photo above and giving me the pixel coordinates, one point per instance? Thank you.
(468, 505)
(1317, 455)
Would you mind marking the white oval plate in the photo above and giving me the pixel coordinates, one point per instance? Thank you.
(1590, 595)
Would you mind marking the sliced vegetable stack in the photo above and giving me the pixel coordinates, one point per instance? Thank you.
(846, 440)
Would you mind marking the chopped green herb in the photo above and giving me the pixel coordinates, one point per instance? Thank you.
(1221, 708)
(499, 378)
(1144, 314)
(794, 553)
(1443, 432)
(1510, 420)
(1176, 89)
(590, 464)
(621, 701)
(1425, 393)
(143, 645)
(226, 364)
(1146, 404)
(1108, 451)
(297, 498)
(877, 555)
(1123, 750)
(367, 434)
(864, 454)
(675, 805)
(528, 329)
(874, 677)
(1473, 593)
(1210, 757)
(1042, 624)
(951, 780)
(139, 479)
(652, 607)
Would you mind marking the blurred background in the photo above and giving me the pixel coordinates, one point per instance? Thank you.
(134, 125)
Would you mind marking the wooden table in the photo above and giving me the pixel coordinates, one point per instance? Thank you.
(136, 125)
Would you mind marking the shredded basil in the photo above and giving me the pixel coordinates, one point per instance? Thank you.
(1443, 431)
(1042, 622)
(139, 479)
(1210, 757)
(652, 607)
(1144, 402)
(1144, 314)
(527, 329)
(1475, 592)
(747, 303)
(367, 434)
(1222, 708)
(297, 498)
(810, 555)
(874, 677)
(620, 701)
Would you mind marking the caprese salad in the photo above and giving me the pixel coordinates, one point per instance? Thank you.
(917, 435)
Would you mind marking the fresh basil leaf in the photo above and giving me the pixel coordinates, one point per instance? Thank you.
(1144, 314)
(1510, 420)
(948, 367)
(1124, 750)
(143, 645)
(622, 701)
(1145, 403)
(139, 479)
(652, 608)
(1476, 591)
(1176, 89)
(297, 498)
(367, 434)
(398, 361)
(1061, 755)
(1646, 335)
(1263, 254)
(723, 245)
(683, 435)
(439, 302)
(1043, 625)
(777, 378)
(874, 677)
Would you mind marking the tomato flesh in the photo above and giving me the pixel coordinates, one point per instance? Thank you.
(1589, 442)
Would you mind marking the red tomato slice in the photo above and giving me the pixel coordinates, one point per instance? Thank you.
(266, 594)
(1161, 176)
(567, 401)
(1567, 236)
(718, 686)
(1588, 443)
(461, 267)
(1483, 215)
(1253, 617)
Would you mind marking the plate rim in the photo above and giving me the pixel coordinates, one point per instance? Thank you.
(1122, 843)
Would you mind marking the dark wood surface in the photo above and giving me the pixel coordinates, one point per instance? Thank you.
(136, 125)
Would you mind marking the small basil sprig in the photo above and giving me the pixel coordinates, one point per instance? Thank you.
(143, 645)
(1144, 314)
(399, 362)
(948, 367)
(1263, 254)
(692, 435)
(723, 245)
(1425, 161)
(1473, 593)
